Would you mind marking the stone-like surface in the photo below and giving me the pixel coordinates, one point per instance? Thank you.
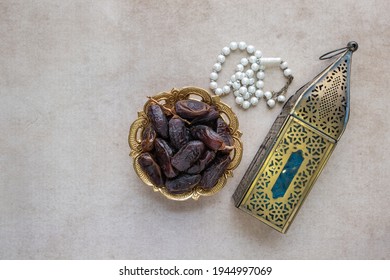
(73, 76)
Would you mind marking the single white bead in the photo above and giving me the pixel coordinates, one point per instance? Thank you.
(233, 78)
(239, 99)
(242, 45)
(226, 50)
(251, 89)
(246, 104)
(221, 58)
(271, 103)
(217, 67)
(246, 95)
(213, 85)
(218, 91)
(226, 89)
(252, 59)
(239, 68)
(214, 76)
(242, 90)
(242, 75)
(259, 84)
(250, 49)
(249, 73)
(260, 75)
(244, 61)
(238, 75)
(245, 81)
(284, 65)
(259, 93)
(281, 98)
(268, 94)
(258, 54)
(233, 46)
(229, 83)
(236, 93)
(255, 66)
(287, 72)
(236, 85)
(271, 61)
(254, 100)
(251, 81)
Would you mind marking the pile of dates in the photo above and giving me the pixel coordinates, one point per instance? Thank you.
(186, 146)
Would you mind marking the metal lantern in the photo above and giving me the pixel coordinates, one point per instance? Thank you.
(298, 146)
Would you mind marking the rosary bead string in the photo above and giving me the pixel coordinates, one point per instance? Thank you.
(247, 83)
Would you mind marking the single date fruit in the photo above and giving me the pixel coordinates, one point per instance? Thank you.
(211, 138)
(151, 168)
(191, 109)
(178, 133)
(188, 155)
(212, 174)
(201, 164)
(148, 137)
(159, 120)
(211, 115)
(163, 155)
(183, 183)
(224, 132)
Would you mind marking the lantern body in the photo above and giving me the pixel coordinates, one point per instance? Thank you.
(297, 147)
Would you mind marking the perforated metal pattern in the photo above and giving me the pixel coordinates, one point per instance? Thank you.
(329, 100)
(260, 201)
(325, 106)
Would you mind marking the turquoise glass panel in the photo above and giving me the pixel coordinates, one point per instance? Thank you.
(287, 175)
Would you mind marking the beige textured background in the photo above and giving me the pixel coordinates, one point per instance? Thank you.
(73, 74)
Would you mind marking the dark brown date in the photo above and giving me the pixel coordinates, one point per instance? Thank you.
(208, 136)
(183, 183)
(188, 155)
(151, 168)
(191, 109)
(224, 132)
(159, 120)
(148, 137)
(211, 115)
(201, 164)
(163, 156)
(215, 171)
(178, 133)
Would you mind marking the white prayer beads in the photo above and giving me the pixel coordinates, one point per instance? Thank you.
(247, 82)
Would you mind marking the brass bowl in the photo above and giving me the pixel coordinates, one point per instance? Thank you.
(169, 99)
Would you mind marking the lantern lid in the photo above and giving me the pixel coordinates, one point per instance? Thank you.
(325, 102)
